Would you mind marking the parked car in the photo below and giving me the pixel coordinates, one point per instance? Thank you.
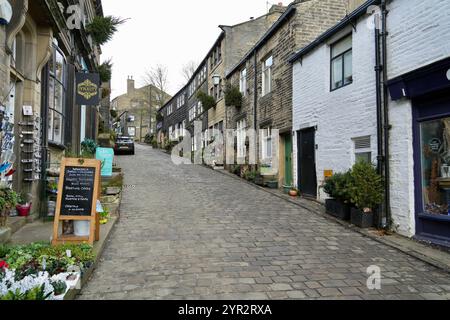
(124, 144)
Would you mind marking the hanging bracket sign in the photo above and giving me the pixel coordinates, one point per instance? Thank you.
(87, 89)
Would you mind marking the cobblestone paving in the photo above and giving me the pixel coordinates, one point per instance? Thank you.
(191, 233)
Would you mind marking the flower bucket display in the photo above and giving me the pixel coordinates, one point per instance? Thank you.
(23, 210)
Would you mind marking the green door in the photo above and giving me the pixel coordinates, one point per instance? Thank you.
(288, 160)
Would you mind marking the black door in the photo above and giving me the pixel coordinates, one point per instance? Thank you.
(307, 162)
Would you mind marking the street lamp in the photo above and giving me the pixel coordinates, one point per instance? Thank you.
(216, 79)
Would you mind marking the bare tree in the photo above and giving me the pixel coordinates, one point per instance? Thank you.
(189, 69)
(157, 77)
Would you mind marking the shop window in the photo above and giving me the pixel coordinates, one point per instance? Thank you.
(435, 149)
(363, 150)
(341, 63)
(56, 96)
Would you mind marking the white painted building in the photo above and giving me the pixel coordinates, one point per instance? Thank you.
(335, 109)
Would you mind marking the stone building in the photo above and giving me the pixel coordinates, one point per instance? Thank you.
(138, 110)
(264, 76)
(39, 58)
(336, 110)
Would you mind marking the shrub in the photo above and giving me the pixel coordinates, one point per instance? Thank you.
(366, 187)
(207, 101)
(102, 29)
(88, 148)
(338, 186)
(250, 175)
(233, 96)
(105, 71)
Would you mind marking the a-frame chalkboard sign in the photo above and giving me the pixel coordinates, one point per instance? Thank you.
(78, 190)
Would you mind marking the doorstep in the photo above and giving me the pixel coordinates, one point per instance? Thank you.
(437, 257)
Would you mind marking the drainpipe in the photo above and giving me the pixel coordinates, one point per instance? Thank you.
(387, 127)
(255, 92)
(378, 75)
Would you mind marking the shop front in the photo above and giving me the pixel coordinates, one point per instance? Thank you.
(429, 91)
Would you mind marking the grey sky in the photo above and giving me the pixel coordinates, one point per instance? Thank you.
(170, 33)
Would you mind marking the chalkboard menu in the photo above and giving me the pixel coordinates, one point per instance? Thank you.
(78, 191)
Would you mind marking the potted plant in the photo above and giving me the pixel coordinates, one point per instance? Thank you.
(337, 187)
(293, 192)
(287, 189)
(23, 207)
(8, 200)
(366, 194)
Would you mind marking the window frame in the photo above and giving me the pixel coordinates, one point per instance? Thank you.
(266, 69)
(243, 81)
(342, 56)
(52, 108)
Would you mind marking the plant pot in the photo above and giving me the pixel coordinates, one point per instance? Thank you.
(23, 210)
(293, 193)
(338, 209)
(287, 189)
(259, 180)
(82, 228)
(361, 219)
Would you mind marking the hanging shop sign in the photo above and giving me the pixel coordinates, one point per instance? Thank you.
(106, 156)
(78, 192)
(87, 89)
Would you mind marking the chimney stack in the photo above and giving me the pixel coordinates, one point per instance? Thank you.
(130, 86)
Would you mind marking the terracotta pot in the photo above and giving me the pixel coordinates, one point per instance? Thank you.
(293, 193)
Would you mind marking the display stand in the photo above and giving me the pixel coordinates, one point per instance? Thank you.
(79, 189)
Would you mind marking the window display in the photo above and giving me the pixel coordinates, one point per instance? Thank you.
(435, 146)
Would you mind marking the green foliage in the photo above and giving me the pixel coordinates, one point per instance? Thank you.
(236, 169)
(4, 250)
(207, 101)
(113, 113)
(29, 259)
(102, 29)
(159, 117)
(250, 175)
(367, 187)
(37, 294)
(8, 199)
(233, 96)
(105, 71)
(339, 186)
(88, 148)
(59, 287)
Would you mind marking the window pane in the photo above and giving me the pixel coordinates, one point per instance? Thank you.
(51, 93)
(341, 46)
(57, 127)
(336, 73)
(50, 125)
(269, 62)
(365, 156)
(435, 166)
(59, 98)
(348, 68)
(59, 65)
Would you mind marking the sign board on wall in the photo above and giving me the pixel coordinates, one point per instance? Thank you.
(87, 89)
(106, 156)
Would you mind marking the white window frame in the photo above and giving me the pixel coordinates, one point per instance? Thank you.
(241, 136)
(359, 151)
(266, 143)
(267, 73)
(243, 81)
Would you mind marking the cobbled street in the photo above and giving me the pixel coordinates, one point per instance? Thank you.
(187, 232)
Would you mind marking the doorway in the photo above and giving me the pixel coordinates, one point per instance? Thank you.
(288, 159)
(307, 176)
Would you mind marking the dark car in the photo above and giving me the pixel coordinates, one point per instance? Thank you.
(124, 145)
